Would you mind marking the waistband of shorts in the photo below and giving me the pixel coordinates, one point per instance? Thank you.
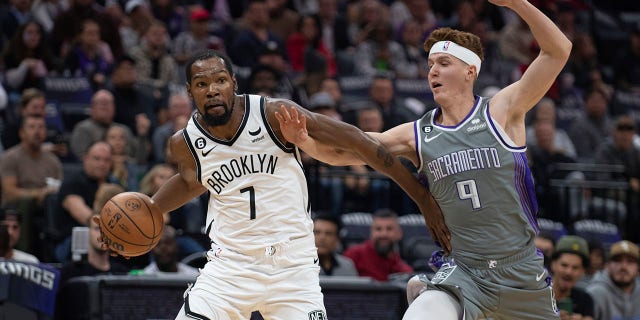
(524, 254)
(273, 249)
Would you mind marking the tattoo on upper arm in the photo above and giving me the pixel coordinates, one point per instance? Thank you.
(387, 157)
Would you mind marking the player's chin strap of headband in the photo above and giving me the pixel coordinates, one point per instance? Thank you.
(458, 51)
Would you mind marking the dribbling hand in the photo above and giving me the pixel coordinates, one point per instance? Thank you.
(103, 245)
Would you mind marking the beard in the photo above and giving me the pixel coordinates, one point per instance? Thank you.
(383, 248)
(218, 120)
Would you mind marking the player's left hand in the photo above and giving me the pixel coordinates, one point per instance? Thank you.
(292, 125)
(103, 245)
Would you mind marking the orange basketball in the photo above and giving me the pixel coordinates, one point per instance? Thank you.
(131, 224)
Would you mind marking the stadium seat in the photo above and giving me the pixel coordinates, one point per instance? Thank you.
(356, 227)
(413, 225)
(554, 228)
(416, 252)
(598, 231)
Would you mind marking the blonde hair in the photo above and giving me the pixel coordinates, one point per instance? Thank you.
(105, 192)
(146, 184)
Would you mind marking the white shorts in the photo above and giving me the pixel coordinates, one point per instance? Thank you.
(281, 281)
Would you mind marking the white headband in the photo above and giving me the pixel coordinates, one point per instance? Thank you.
(458, 51)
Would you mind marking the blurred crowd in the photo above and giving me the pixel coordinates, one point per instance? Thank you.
(90, 91)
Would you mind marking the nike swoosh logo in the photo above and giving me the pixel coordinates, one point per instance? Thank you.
(539, 277)
(204, 154)
(257, 132)
(427, 139)
(315, 261)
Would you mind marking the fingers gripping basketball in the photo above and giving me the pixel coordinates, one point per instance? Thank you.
(131, 224)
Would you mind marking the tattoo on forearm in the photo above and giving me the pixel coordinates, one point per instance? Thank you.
(387, 157)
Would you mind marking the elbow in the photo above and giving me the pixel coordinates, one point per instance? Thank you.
(565, 48)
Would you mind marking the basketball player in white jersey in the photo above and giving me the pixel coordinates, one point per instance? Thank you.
(263, 256)
(471, 153)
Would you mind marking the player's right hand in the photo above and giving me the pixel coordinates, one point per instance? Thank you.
(436, 224)
(103, 245)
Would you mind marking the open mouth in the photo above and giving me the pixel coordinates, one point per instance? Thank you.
(436, 85)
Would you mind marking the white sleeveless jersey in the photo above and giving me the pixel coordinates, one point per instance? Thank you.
(257, 185)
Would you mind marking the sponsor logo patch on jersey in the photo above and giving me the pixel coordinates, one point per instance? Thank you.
(476, 126)
(255, 132)
(317, 315)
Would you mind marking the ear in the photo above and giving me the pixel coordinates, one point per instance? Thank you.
(472, 72)
(188, 88)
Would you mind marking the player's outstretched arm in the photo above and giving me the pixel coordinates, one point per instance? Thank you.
(293, 126)
(183, 186)
(348, 141)
(518, 98)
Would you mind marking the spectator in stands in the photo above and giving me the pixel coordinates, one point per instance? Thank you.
(171, 14)
(89, 56)
(282, 19)
(125, 171)
(547, 245)
(188, 220)
(379, 53)
(27, 59)
(628, 63)
(418, 11)
(13, 14)
(46, 11)
(334, 34)
(326, 229)
(29, 174)
(330, 188)
(305, 45)
(378, 257)
(543, 160)
(620, 150)
(165, 257)
(78, 191)
(273, 55)
(382, 95)
(11, 220)
(94, 129)
(179, 111)
(365, 191)
(545, 111)
(597, 261)
(464, 17)
(135, 25)
(156, 67)
(583, 60)
(135, 107)
(514, 41)
(593, 127)
(568, 265)
(617, 287)
(33, 103)
(98, 262)
(196, 38)
(69, 23)
(332, 87)
(263, 80)
(255, 36)
(411, 40)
